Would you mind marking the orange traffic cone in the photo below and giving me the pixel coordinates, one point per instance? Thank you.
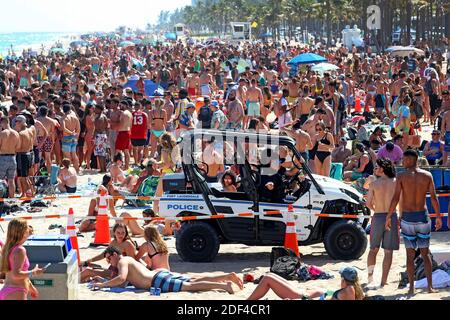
(102, 236)
(358, 104)
(290, 238)
(71, 230)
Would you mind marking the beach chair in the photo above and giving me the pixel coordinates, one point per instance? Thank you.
(146, 189)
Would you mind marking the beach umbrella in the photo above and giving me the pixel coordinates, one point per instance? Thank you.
(405, 51)
(125, 44)
(171, 36)
(137, 41)
(137, 63)
(57, 50)
(79, 43)
(324, 67)
(307, 58)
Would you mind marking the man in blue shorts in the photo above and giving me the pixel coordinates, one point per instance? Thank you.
(135, 273)
(413, 186)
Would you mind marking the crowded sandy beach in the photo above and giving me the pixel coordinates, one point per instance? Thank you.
(170, 165)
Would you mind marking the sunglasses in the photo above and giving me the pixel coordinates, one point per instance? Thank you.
(435, 134)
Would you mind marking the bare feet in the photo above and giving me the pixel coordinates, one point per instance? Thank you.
(233, 277)
(431, 290)
(411, 292)
(231, 288)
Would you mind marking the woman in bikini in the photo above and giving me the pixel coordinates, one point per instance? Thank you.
(324, 144)
(15, 264)
(158, 120)
(123, 242)
(67, 177)
(154, 250)
(89, 225)
(89, 123)
(267, 102)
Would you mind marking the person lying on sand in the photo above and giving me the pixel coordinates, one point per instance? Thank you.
(132, 272)
(121, 241)
(350, 288)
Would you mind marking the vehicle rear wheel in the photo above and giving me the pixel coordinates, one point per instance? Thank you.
(345, 240)
(197, 242)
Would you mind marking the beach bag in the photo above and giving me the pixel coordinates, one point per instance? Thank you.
(285, 263)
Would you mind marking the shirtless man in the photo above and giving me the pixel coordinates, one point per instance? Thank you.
(192, 84)
(302, 139)
(41, 131)
(71, 132)
(255, 100)
(123, 142)
(135, 273)
(445, 132)
(24, 79)
(205, 82)
(24, 156)
(413, 186)
(9, 144)
(397, 86)
(380, 97)
(114, 118)
(46, 143)
(235, 112)
(329, 119)
(379, 200)
(214, 160)
(304, 106)
(294, 88)
(101, 139)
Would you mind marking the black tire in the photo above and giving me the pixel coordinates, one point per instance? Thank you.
(345, 240)
(197, 242)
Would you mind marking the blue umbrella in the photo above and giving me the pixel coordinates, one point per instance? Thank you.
(150, 87)
(125, 44)
(79, 43)
(307, 58)
(171, 36)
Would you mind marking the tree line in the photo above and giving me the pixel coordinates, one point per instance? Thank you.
(430, 19)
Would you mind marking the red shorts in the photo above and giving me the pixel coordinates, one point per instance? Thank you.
(123, 141)
(192, 92)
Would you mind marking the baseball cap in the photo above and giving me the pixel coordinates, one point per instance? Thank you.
(215, 103)
(21, 118)
(349, 274)
(190, 105)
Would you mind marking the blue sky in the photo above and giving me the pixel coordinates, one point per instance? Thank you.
(80, 15)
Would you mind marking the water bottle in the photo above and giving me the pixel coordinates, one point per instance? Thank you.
(157, 292)
(152, 291)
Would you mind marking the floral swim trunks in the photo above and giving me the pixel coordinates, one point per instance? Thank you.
(101, 145)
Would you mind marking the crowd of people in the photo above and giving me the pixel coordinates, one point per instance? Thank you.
(77, 111)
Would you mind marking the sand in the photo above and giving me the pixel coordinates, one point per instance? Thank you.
(240, 259)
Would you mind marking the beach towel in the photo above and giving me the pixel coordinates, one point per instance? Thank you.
(441, 279)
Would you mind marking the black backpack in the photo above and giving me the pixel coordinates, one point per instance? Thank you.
(342, 104)
(284, 263)
(205, 116)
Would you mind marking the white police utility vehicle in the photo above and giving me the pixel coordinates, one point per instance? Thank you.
(259, 160)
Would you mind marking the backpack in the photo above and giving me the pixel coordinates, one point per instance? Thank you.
(284, 263)
(342, 104)
(165, 76)
(205, 116)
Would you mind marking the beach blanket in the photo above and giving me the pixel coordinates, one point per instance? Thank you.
(441, 279)
(119, 290)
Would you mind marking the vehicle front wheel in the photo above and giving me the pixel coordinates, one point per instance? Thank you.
(345, 240)
(197, 242)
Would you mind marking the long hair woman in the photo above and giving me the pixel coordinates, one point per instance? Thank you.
(15, 264)
(324, 144)
(122, 241)
(156, 249)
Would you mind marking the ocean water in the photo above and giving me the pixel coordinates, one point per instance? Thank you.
(33, 40)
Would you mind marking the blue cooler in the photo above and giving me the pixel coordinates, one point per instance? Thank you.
(438, 176)
(56, 237)
(443, 204)
(446, 177)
